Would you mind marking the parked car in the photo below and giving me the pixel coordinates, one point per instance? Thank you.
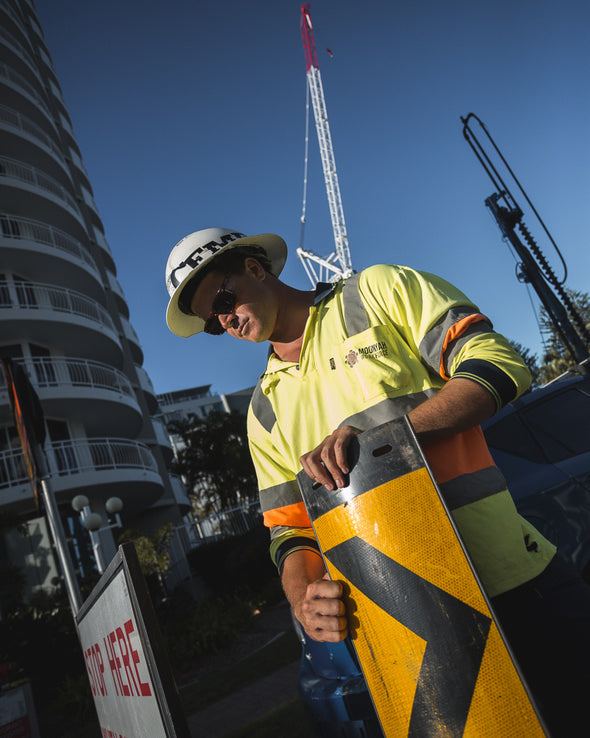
(541, 442)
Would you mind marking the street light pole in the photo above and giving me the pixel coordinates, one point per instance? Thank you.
(93, 523)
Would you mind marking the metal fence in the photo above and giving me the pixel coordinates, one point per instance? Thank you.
(232, 522)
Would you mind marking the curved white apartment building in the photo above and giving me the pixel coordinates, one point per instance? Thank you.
(64, 316)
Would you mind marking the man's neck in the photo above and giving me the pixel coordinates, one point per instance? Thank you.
(294, 315)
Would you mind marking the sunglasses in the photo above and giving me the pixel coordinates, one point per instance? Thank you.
(223, 303)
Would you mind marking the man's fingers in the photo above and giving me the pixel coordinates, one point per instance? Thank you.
(328, 462)
(323, 612)
(324, 589)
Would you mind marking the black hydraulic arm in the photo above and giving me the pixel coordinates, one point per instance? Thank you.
(534, 267)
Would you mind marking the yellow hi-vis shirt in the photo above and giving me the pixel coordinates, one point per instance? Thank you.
(375, 346)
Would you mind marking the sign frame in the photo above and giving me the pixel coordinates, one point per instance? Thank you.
(165, 693)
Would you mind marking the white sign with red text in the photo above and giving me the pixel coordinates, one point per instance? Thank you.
(117, 664)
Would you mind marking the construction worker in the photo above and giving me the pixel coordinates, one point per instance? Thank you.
(387, 342)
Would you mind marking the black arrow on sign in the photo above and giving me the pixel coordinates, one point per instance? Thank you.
(454, 632)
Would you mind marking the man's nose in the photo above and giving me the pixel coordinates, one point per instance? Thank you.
(226, 319)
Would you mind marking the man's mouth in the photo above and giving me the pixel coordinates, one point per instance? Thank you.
(242, 328)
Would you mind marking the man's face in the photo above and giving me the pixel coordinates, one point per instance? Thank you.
(249, 315)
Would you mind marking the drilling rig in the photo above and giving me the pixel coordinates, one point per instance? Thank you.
(533, 268)
(337, 265)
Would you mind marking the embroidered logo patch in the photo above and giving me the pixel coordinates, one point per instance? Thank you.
(373, 351)
(332, 364)
(351, 357)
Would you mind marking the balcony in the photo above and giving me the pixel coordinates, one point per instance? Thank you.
(100, 240)
(58, 317)
(163, 440)
(96, 467)
(180, 496)
(134, 345)
(45, 192)
(43, 252)
(117, 290)
(12, 43)
(27, 141)
(100, 396)
(22, 87)
(148, 388)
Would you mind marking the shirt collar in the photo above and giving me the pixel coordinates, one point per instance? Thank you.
(322, 290)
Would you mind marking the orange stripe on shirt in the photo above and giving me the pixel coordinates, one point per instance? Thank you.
(455, 331)
(463, 453)
(292, 515)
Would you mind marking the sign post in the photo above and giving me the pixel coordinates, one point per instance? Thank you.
(130, 676)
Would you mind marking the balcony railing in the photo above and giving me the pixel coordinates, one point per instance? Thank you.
(36, 296)
(67, 458)
(17, 79)
(12, 226)
(15, 120)
(9, 40)
(34, 176)
(51, 372)
(10, 12)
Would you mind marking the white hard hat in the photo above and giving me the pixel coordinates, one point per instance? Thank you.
(194, 252)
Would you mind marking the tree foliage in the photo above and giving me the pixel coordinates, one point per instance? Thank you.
(152, 551)
(557, 359)
(215, 460)
(530, 360)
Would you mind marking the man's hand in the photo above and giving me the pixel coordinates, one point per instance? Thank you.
(315, 599)
(328, 462)
(322, 613)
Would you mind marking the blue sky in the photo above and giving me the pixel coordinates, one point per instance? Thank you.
(192, 114)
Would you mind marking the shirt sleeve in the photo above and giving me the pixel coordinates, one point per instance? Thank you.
(280, 498)
(453, 338)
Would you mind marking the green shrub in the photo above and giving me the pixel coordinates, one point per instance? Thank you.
(204, 629)
(234, 564)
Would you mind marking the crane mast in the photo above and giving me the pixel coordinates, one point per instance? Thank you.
(336, 265)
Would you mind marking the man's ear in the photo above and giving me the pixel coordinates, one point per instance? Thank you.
(254, 268)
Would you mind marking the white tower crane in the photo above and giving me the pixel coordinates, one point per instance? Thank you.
(336, 265)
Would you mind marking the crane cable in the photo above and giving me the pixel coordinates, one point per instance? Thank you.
(304, 207)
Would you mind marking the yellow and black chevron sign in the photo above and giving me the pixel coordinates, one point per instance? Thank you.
(433, 657)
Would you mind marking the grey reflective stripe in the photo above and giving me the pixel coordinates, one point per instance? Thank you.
(355, 316)
(472, 487)
(477, 329)
(278, 530)
(262, 408)
(386, 410)
(431, 345)
(280, 495)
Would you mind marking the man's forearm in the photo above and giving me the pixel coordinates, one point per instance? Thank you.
(316, 601)
(300, 569)
(461, 404)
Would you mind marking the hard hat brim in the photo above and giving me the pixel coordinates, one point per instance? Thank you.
(184, 325)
